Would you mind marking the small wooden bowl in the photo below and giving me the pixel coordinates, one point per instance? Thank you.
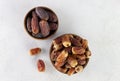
(51, 49)
(29, 14)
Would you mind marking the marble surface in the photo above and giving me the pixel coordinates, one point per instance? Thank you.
(96, 20)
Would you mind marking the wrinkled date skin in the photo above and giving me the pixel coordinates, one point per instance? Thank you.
(34, 23)
(73, 55)
(45, 29)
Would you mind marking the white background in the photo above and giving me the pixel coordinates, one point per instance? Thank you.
(96, 20)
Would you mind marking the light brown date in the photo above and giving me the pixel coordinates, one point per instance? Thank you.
(53, 26)
(61, 58)
(35, 51)
(78, 50)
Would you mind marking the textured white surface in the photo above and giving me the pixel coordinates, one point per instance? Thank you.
(96, 20)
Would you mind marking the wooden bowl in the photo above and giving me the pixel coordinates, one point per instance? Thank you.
(52, 48)
(29, 14)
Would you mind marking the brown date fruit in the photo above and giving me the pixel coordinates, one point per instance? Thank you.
(45, 29)
(34, 23)
(71, 71)
(54, 55)
(60, 60)
(84, 43)
(58, 40)
(53, 26)
(81, 62)
(78, 50)
(79, 68)
(35, 51)
(75, 42)
(72, 61)
(41, 66)
(78, 38)
(66, 41)
(42, 13)
(69, 50)
(52, 17)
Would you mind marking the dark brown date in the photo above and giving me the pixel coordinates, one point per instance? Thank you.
(42, 13)
(81, 62)
(78, 38)
(69, 50)
(52, 17)
(54, 55)
(29, 24)
(34, 23)
(75, 42)
(53, 26)
(45, 29)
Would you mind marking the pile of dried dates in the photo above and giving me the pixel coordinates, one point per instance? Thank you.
(41, 22)
(69, 53)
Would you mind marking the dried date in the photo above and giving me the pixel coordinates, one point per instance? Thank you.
(34, 23)
(53, 26)
(75, 42)
(78, 50)
(79, 68)
(61, 58)
(45, 29)
(84, 43)
(66, 41)
(69, 50)
(35, 51)
(42, 13)
(54, 55)
(52, 17)
(72, 61)
(81, 62)
(71, 71)
(41, 65)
